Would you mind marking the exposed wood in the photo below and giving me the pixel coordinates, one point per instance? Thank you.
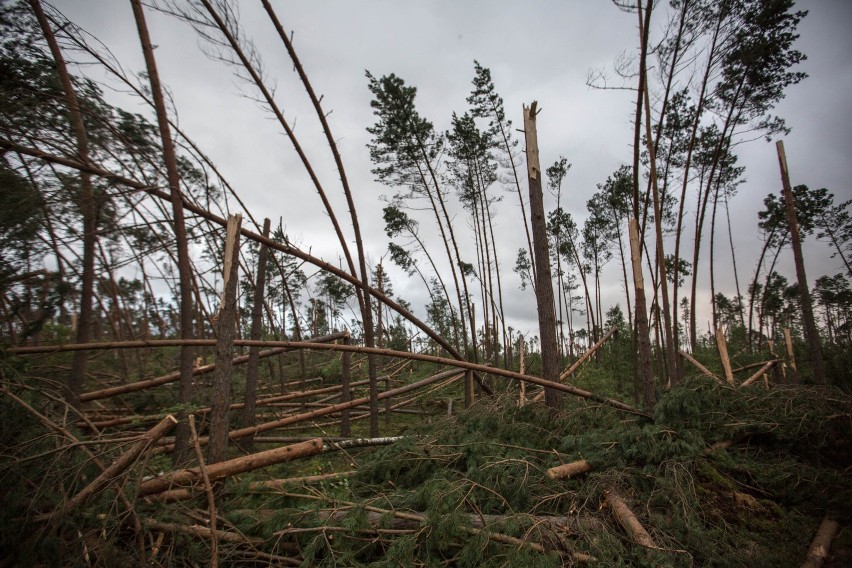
(226, 327)
(120, 465)
(544, 281)
(768, 365)
(791, 355)
(699, 366)
(818, 550)
(213, 218)
(811, 331)
(569, 469)
(628, 520)
(722, 344)
(230, 467)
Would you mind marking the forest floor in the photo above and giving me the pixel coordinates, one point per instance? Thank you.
(720, 477)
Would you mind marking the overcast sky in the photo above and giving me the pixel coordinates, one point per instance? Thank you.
(535, 50)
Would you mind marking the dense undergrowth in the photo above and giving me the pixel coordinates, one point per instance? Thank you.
(424, 501)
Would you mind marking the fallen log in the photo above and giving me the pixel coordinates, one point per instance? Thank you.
(331, 409)
(569, 469)
(628, 520)
(700, 367)
(768, 365)
(174, 495)
(818, 551)
(230, 467)
(119, 466)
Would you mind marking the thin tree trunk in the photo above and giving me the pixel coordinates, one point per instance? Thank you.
(187, 353)
(88, 208)
(256, 327)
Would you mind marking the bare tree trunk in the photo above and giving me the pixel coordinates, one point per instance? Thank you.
(804, 293)
(187, 353)
(544, 284)
(225, 346)
(88, 208)
(645, 373)
(256, 325)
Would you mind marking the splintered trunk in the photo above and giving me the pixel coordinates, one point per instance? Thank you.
(187, 353)
(645, 374)
(804, 293)
(225, 346)
(544, 285)
(254, 334)
(88, 208)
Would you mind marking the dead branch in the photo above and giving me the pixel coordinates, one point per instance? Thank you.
(208, 489)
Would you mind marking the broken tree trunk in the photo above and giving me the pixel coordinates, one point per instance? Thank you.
(231, 467)
(804, 292)
(119, 466)
(522, 398)
(628, 520)
(768, 365)
(722, 344)
(818, 551)
(330, 409)
(218, 450)
(699, 366)
(646, 373)
(256, 326)
(791, 355)
(569, 469)
(544, 282)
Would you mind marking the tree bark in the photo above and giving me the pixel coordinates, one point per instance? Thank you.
(804, 292)
(645, 375)
(231, 467)
(544, 284)
(225, 346)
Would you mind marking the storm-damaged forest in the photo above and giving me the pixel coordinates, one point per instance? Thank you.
(615, 380)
